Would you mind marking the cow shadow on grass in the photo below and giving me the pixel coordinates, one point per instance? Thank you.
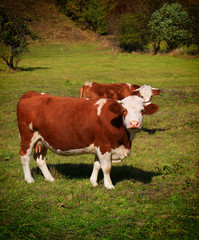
(30, 69)
(81, 171)
(153, 130)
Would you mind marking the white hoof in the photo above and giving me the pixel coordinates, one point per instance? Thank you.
(50, 179)
(110, 187)
(29, 180)
(94, 183)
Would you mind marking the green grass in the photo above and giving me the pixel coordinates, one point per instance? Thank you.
(156, 195)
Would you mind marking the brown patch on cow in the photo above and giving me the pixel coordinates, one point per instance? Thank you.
(151, 108)
(136, 93)
(116, 91)
(134, 87)
(116, 108)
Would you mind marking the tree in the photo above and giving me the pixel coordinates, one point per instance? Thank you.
(13, 38)
(170, 24)
(133, 34)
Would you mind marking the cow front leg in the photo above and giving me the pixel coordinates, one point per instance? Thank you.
(40, 157)
(94, 175)
(105, 163)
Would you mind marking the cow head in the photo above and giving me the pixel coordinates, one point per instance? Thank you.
(133, 111)
(146, 92)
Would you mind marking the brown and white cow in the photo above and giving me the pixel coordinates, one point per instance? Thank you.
(117, 91)
(71, 126)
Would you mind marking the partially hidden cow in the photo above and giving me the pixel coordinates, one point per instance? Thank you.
(117, 91)
(72, 126)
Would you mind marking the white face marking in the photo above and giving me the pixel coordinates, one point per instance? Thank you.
(146, 93)
(134, 106)
(88, 84)
(101, 103)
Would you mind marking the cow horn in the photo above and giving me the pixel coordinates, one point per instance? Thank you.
(136, 90)
(119, 101)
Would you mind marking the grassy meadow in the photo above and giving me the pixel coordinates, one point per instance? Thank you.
(156, 187)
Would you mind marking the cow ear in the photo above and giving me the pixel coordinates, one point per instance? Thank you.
(156, 91)
(136, 92)
(151, 109)
(116, 108)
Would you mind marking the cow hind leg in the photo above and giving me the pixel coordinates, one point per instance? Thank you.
(105, 163)
(25, 160)
(41, 163)
(94, 175)
(27, 143)
(40, 158)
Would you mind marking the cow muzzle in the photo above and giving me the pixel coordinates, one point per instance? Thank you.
(134, 125)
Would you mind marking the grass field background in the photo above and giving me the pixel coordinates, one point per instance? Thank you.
(156, 195)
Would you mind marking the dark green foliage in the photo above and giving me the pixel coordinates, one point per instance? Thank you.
(96, 16)
(13, 38)
(193, 10)
(129, 21)
(133, 34)
(92, 14)
(172, 25)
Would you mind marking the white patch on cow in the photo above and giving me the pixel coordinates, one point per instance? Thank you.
(88, 84)
(146, 93)
(118, 154)
(134, 106)
(36, 136)
(31, 126)
(101, 103)
(43, 93)
(86, 150)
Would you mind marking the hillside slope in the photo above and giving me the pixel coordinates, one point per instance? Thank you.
(50, 24)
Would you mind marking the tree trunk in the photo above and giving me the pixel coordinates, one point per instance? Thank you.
(156, 47)
(11, 63)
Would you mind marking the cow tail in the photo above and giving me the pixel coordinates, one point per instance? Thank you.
(80, 93)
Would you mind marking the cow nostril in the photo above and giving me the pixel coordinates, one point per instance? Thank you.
(134, 124)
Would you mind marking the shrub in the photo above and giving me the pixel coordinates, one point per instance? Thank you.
(133, 34)
(170, 24)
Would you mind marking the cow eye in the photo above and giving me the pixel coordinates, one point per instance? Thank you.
(124, 111)
(142, 111)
